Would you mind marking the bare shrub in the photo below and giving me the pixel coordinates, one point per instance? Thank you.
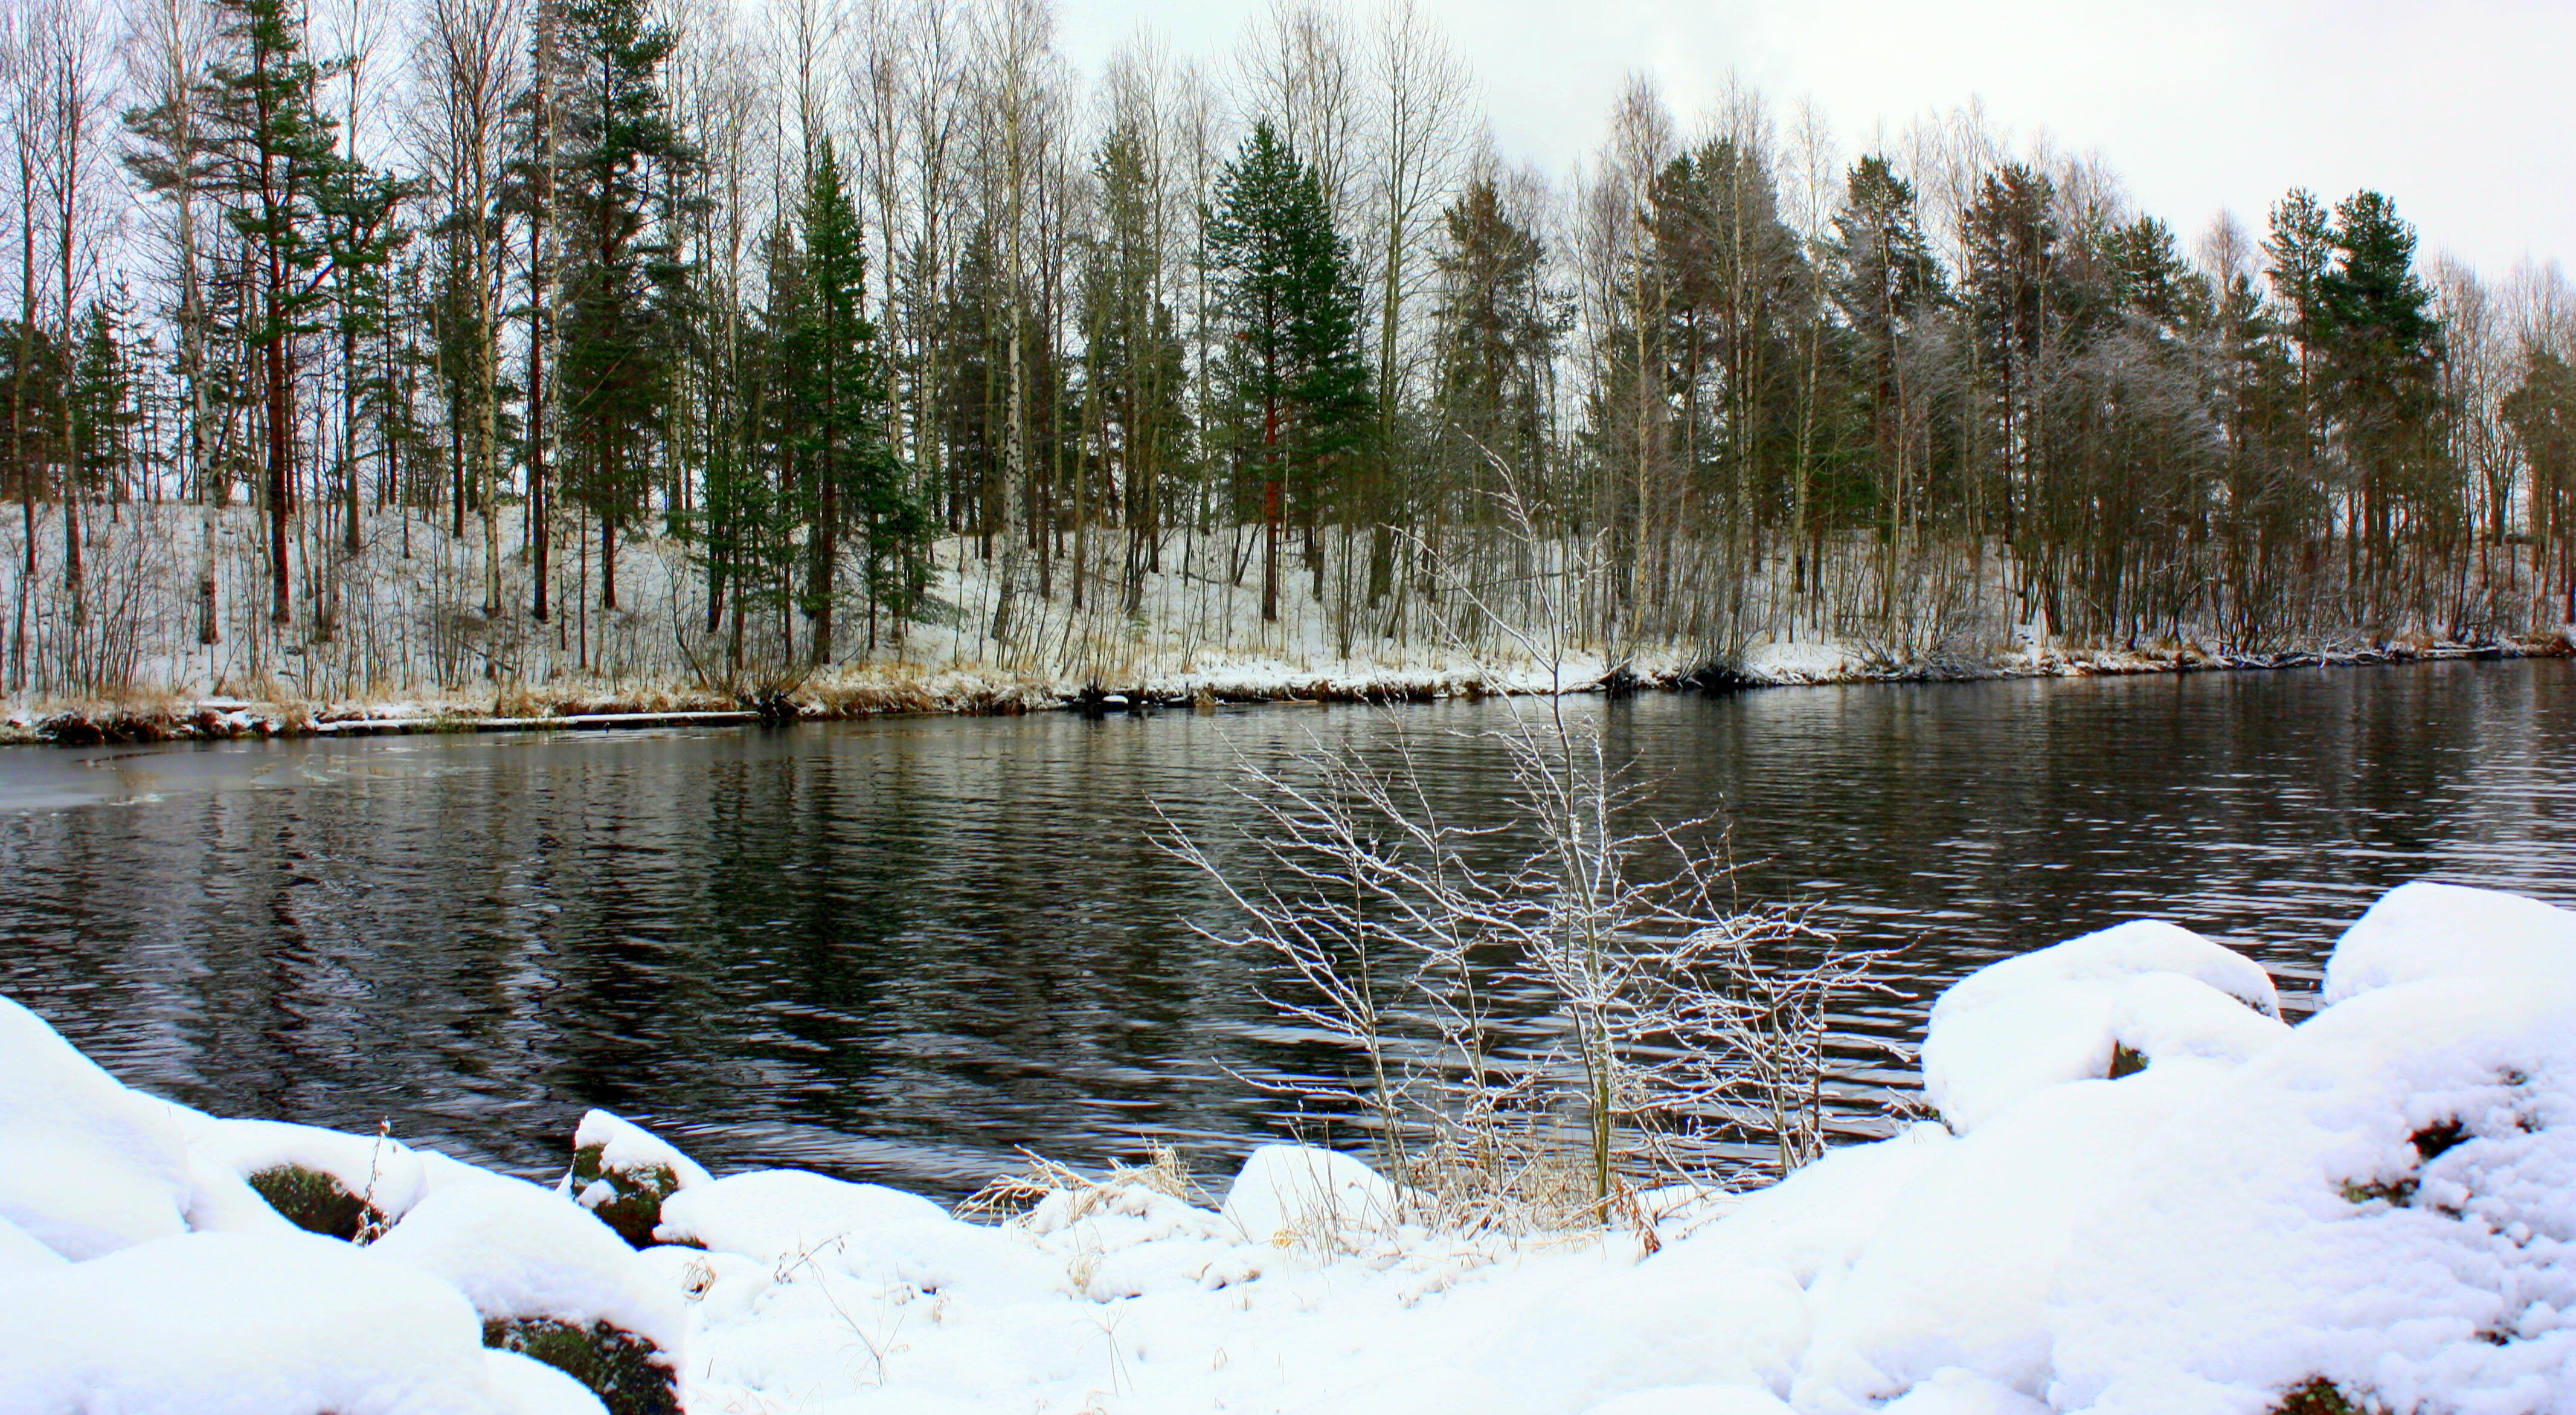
(1687, 1032)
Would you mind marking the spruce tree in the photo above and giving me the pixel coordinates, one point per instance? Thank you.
(2383, 346)
(849, 476)
(1297, 387)
(103, 401)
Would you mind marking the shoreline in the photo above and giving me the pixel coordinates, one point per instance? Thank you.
(2136, 1186)
(925, 692)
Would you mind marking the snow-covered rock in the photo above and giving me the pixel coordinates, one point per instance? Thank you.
(2425, 930)
(772, 1214)
(2387, 1201)
(520, 1252)
(622, 1172)
(1291, 1194)
(322, 1180)
(2067, 1013)
(2120, 951)
(227, 1324)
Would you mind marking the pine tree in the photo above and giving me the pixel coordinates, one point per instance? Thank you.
(1883, 280)
(1497, 337)
(2012, 290)
(624, 287)
(291, 194)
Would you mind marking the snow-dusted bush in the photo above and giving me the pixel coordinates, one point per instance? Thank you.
(1692, 1030)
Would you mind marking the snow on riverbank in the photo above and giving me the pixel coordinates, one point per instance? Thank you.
(1214, 677)
(2147, 1194)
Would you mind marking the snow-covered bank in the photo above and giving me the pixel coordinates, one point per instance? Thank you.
(423, 631)
(2146, 1193)
(887, 688)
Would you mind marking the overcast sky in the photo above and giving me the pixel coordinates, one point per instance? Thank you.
(2462, 112)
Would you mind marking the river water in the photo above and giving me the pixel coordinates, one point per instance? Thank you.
(898, 949)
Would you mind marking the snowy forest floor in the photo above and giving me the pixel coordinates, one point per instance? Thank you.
(2146, 1194)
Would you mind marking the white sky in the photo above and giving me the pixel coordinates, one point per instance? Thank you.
(2463, 112)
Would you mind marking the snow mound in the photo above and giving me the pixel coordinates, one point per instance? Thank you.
(2122, 950)
(225, 1324)
(1694, 1400)
(946, 1257)
(2066, 1013)
(2426, 930)
(1956, 1392)
(19, 1251)
(2387, 1201)
(1651, 1326)
(87, 1166)
(525, 1386)
(1959, 1275)
(1814, 1223)
(1290, 1194)
(519, 1252)
(772, 1214)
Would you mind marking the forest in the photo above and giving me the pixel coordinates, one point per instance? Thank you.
(363, 347)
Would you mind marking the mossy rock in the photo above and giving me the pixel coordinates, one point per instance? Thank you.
(634, 1203)
(314, 1201)
(2126, 1060)
(629, 1374)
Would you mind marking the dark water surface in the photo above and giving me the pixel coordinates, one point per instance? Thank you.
(896, 949)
